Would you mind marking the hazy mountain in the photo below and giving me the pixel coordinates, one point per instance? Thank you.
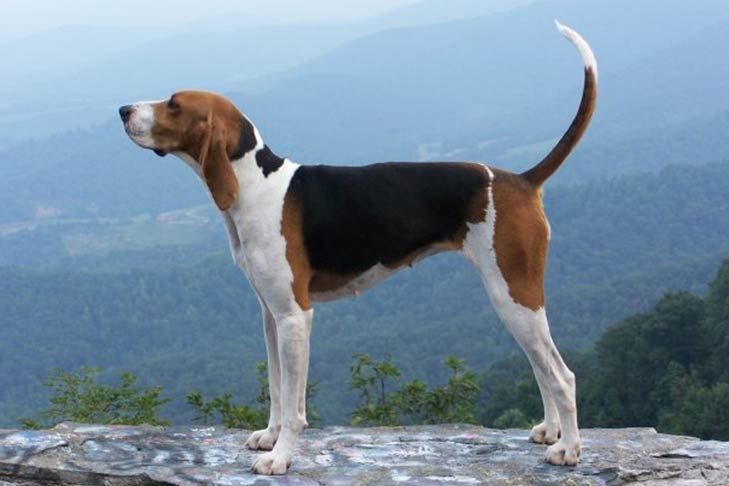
(500, 78)
(426, 99)
(438, 11)
(72, 76)
(79, 91)
(62, 51)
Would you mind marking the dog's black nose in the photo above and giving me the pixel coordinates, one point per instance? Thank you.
(125, 111)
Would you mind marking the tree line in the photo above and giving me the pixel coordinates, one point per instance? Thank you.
(667, 368)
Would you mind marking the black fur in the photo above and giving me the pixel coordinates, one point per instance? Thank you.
(356, 217)
(268, 161)
(246, 139)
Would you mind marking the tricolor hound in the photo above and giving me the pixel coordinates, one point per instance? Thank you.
(306, 233)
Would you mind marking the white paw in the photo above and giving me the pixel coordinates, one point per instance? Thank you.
(544, 433)
(263, 439)
(271, 463)
(563, 454)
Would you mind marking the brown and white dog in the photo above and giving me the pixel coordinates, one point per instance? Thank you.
(314, 233)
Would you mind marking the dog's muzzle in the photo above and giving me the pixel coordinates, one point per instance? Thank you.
(138, 120)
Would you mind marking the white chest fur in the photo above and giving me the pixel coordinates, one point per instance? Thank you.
(254, 226)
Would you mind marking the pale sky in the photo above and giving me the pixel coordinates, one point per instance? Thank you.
(20, 17)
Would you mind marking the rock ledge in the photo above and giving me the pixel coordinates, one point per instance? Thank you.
(75, 454)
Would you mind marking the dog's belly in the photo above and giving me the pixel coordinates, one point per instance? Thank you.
(327, 286)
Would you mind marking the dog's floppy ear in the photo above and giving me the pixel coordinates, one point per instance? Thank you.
(216, 166)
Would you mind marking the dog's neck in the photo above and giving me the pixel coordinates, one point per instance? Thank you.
(251, 150)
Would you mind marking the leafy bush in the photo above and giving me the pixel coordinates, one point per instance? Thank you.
(411, 403)
(77, 397)
(241, 416)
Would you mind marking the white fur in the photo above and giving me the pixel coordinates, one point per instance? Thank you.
(256, 217)
(140, 123)
(193, 164)
(530, 328)
(588, 57)
(266, 438)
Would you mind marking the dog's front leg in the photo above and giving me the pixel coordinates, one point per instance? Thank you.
(293, 331)
(266, 438)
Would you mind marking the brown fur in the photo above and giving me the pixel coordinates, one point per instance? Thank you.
(207, 126)
(521, 237)
(538, 174)
(295, 251)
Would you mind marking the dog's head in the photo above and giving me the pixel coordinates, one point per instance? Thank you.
(204, 129)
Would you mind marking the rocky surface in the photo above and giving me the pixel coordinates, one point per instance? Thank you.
(448, 454)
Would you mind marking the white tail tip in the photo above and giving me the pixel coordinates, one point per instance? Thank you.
(588, 57)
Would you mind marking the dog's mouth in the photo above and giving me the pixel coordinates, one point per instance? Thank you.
(133, 132)
(142, 138)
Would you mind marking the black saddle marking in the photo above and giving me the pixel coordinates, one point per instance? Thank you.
(357, 217)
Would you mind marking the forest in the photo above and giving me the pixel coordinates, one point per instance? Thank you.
(667, 367)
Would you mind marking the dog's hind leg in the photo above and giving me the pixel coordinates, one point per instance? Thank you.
(509, 249)
(557, 382)
(266, 438)
(548, 431)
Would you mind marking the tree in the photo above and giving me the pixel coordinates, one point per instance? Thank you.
(695, 409)
(634, 355)
(232, 415)
(716, 327)
(77, 397)
(370, 377)
(454, 402)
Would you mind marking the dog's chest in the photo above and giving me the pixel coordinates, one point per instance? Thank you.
(254, 223)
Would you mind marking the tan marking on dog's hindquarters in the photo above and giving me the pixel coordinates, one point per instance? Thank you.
(521, 237)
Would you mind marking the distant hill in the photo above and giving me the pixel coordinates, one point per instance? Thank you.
(75, 75)
(500, 81)
(499, 88)
(427, 12)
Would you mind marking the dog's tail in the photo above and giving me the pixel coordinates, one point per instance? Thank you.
(538, 174)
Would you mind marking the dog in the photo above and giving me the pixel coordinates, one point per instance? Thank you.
(308, 233)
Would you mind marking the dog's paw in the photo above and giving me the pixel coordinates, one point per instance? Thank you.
(544, 433)
(562, 453)
(271, 463)
(263, 439)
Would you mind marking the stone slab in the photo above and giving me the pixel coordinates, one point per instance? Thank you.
(76, 454)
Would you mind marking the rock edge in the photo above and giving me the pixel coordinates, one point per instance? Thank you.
(76, 454)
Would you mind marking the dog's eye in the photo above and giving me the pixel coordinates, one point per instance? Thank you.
(172, 105)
